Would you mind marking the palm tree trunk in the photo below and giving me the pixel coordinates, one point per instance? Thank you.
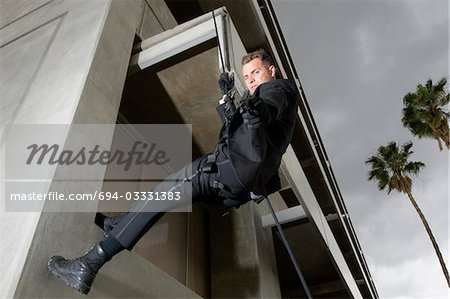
(430, 234)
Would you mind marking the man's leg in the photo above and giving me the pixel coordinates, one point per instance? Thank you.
(141, 217)
(80, 272)
(107, 223)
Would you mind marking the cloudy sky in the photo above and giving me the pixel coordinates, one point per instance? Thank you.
(356, 60)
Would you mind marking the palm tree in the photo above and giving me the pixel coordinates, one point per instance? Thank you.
(391, 168)
(424, 112)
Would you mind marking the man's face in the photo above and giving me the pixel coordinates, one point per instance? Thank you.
(255, 73)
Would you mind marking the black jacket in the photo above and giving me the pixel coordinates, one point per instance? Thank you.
(255, 154)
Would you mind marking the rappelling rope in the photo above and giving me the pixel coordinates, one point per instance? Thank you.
(218, 39)
(288, 248)
(280, 229)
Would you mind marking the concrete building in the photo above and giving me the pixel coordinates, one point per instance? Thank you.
(157, 61)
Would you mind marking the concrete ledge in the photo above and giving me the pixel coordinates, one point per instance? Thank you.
(290, 215)
(284, 216)
(131, 276)
(128, 275)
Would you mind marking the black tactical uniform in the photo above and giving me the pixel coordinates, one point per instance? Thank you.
(251, 143)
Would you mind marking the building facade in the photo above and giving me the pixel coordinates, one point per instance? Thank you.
(156, 61)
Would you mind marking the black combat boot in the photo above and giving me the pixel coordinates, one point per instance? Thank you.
(107, 223)
(79, 273)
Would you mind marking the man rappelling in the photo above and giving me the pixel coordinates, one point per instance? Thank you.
(244, 167)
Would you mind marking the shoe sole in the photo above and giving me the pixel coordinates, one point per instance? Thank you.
(71, 281)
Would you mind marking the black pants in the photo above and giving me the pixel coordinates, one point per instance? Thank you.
(140, 219)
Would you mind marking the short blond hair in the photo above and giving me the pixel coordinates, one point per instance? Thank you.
(261, 54)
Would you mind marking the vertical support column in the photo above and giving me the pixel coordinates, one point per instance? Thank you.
(47, 48)
(78, 53)
(242, 255)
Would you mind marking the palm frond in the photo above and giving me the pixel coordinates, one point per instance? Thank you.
(425, 112)
(394, 184)
(414, 167)
(406, 148)
(443, 101)
(390, 167)
(441, 84)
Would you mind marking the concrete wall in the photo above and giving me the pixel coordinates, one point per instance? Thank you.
(243, 260)
(66, 62)
(47, 48)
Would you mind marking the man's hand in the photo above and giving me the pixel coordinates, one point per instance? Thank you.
(226, 82)
(255, 113)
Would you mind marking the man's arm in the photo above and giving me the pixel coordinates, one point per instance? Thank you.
(268, 103)
(276, 95)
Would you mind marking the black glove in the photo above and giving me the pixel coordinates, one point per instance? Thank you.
(255, 113)
(226, 82)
